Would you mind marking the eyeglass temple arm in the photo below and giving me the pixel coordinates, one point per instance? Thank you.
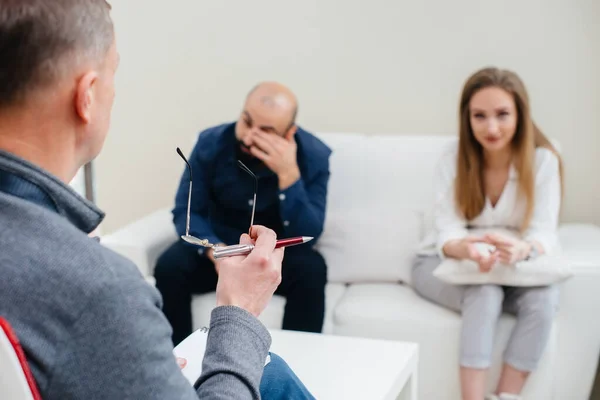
(247, 170)
(187, 221)
(253, 208)
(242, 166)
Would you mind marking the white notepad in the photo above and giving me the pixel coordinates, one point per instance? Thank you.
(190, 354)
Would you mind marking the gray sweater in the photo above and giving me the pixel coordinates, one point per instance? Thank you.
(90, 325)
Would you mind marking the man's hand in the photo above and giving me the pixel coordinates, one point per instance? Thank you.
(511, 250)
(279, 154)
(249, 281)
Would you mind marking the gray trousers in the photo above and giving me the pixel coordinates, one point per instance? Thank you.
(481, 306)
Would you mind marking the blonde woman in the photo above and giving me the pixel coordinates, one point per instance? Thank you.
(504, 173)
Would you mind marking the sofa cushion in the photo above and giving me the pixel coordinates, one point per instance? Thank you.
(398, 305)
(379, 189)
(396, 312)
(369, 245)
(272, 317)
(386, 172)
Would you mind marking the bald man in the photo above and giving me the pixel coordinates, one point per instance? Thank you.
(292, 167)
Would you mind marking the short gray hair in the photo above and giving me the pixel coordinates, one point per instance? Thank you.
(41, 39)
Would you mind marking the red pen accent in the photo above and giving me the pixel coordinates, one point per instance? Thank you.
(244, 249)
(292, 241)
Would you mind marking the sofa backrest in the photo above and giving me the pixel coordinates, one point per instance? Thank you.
(380, 193)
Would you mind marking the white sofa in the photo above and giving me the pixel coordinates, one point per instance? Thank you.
(379, 199)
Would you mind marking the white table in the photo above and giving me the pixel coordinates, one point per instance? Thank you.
(340, 367)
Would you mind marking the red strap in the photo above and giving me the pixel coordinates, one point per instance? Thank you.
(14, 341)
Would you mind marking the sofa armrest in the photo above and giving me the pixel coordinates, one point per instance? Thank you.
(579, 328)
(144, 240)
(581, 245)
(580, 295)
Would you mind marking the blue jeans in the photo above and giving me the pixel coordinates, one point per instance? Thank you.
(280, 383)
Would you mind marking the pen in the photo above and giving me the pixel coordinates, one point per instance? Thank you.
(244, 249)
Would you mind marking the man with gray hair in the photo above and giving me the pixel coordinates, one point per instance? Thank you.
(90, 326)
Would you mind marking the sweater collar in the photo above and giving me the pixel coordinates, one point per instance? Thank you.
(31, 183)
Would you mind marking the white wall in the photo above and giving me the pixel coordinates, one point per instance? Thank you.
(78, 183)
(377, 66)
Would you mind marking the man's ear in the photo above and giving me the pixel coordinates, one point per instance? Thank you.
(291, 132)
(85, 96)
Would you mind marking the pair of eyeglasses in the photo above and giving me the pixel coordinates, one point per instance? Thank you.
(204, 242)
(236, 249)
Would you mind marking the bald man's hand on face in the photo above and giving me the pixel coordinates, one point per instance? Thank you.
(279, 155)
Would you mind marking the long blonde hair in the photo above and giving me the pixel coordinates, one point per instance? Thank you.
(469, 185)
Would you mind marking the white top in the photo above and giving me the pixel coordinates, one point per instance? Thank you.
(509, 211)
(340, 367)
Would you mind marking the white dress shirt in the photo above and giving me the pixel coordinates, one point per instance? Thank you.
(509, 211)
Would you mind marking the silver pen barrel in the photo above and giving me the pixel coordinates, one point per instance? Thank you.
(235, 250)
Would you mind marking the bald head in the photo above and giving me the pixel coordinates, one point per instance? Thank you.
(270, 108)
(276, 96)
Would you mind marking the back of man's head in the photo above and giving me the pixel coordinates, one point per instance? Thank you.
(41, 41)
